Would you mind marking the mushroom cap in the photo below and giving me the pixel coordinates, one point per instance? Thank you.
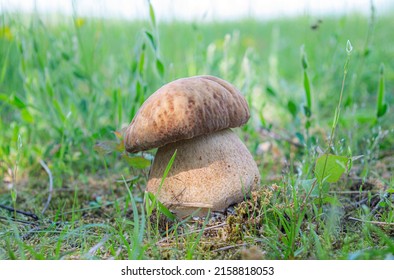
(183, 109)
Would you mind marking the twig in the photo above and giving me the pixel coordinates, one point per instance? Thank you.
(256, 240)
(116, 254)
(31, 232)
(39, 228)
(94, 249)
(371, 222)
(127, 180)
(353, 192)
(229, 247)
(18, 221)
(377, 206)
(48, 171)
(28, 214)
(276, 136)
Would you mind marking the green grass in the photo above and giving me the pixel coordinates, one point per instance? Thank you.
(68, 87)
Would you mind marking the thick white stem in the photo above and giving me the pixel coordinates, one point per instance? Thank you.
(211, 171)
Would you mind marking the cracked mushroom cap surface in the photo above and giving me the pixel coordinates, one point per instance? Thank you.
(184, 109)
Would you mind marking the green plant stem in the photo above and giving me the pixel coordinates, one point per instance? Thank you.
(335, 121)
(333, 130)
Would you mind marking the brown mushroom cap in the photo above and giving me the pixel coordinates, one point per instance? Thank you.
(186, 108)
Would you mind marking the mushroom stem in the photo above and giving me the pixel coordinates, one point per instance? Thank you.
(210, 172)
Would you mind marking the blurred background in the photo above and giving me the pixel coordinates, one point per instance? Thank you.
(196, 10)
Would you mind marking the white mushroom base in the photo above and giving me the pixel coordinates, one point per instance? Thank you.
(210, 172)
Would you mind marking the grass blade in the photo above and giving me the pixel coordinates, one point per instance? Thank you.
(153, 202)
(381, 105)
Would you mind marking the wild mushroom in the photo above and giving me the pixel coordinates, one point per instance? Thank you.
(212, 169)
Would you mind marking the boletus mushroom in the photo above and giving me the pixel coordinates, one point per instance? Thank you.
(212, 169)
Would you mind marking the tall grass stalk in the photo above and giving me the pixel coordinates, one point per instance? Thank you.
(334, 125)
(137, 250)
(14, 193)
(337, 114)
(308, 94)
(152, 202)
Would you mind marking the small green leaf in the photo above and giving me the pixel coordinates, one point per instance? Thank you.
(382, 110)
(151, 40)
(308, 124)
(381, 105)
(271, 91)
(141, 63)
(160, 67)
(138, 162)
(14, 195)
(17, 102)
(26, 116)
(329, 168)
(304, 60)
(292, 107)
(79, 74)
(382, 204)
(307, 111)
(308, 93)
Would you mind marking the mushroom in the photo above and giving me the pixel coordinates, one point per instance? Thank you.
(212, 169)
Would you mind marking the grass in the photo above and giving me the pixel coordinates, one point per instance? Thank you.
(68, 87)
